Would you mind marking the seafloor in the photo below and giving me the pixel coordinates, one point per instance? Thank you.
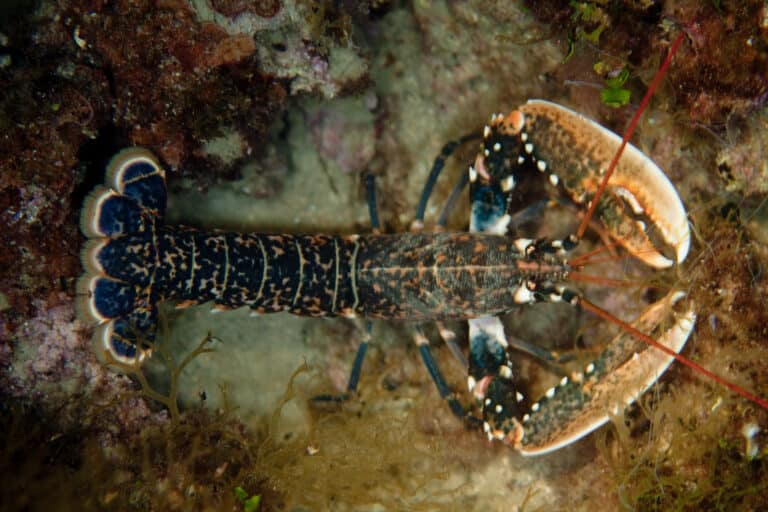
(267, 115)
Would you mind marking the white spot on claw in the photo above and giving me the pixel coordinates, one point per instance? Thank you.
(523, 295)
(521, 244)
(508, 183)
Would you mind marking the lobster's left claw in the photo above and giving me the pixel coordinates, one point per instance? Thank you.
(641, 210)
(622, 372)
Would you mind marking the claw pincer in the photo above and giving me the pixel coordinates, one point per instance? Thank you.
(642, 209)
(542, 142)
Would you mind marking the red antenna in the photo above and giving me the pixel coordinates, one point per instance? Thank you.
(591, 211)
(585, 304)
(628, 134)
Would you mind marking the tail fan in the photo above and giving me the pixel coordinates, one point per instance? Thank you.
(120, 220)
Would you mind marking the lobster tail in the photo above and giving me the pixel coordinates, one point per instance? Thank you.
(120, 257)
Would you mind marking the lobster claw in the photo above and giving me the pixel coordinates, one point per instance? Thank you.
(623, 371)
(640, 208)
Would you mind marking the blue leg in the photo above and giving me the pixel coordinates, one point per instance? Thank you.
(437, 377)
(437, 168)
(354, 375)
(449, 338)
(451, 202)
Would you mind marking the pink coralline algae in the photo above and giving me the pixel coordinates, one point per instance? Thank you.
(55, 362)
(344, 133)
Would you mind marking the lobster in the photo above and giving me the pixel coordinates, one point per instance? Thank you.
(133, 261)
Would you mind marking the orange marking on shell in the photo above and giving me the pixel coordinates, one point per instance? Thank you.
(513, 123)
(515, 437)
(537, 267)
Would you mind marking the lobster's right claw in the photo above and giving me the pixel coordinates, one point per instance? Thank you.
(642, 209)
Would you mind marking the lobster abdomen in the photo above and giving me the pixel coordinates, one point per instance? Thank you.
(127, 276)
(303, 274)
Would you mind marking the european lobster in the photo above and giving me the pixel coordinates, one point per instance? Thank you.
(133, 261)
